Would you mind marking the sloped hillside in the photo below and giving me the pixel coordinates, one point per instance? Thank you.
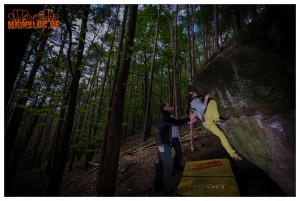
(136, 170)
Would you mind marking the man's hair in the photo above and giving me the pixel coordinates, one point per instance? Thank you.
(189, 97)
(161, 107)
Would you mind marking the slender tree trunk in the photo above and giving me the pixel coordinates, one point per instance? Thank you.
(22, 146)
(238, 23)
(84, 118)
(88, 124)
(149, 92)
(193, 44)
(109, 58)
(145, 83)
(220, 32)
(252, 11)
(61, 117)
(61, 149)
(174, 44)
(161, 86)
(192, 143)
(72, 159)
(12, 128)
(45, 144)
(100, 105)
(40, 136)
(104, 144)
(216, 19)
(34, 47)
(107, 182)
(191, 70)
(204, 40)
(187, 8)
(16, 42)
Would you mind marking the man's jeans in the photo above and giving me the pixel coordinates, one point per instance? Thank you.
(178, 152)
(165, 155)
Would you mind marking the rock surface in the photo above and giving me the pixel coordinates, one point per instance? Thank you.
(254, 82)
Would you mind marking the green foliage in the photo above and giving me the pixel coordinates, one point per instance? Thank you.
(96, 52)
(86, 142)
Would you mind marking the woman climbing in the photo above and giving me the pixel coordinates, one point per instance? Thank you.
(207, 112)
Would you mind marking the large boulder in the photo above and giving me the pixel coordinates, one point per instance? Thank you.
(254, 82)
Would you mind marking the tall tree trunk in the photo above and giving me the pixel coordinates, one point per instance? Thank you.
(107, 182)
(252, 11)
(190, 63)
(21, 146)
(61, 117)
(192, 135)
(61, 149)
(191, 73)
(104, 144)
(37, 146)
(145, 80)
(237, 17)
(220, 32)
(12, 128)
(87, 119)
(34, 48)
(98, 117)
(193, 44)
(174, 44)
(216, 19)
(149, 92)
(45, 143)
(161, 86)
(16, 42)
(205, 56)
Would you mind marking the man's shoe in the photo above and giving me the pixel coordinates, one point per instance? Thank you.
(170, 193)
(158, 186)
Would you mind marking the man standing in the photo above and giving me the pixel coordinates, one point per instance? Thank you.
(164, 143)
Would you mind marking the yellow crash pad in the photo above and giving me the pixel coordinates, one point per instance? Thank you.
(215, 167)
(208, 178)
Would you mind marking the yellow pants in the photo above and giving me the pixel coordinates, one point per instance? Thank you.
(212, 115)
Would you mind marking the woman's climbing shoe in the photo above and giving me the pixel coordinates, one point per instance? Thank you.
(237, 158)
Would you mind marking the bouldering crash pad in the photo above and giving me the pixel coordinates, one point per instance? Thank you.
(208, 178)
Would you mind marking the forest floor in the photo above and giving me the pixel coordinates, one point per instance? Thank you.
(136, 171)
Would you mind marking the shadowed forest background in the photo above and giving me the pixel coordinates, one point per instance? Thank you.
(82, 90)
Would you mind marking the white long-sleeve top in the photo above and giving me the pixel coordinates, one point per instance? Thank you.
(198, 107)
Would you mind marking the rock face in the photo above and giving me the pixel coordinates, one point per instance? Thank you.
(254, 82)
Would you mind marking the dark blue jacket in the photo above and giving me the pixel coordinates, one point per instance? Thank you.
(166, 121)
